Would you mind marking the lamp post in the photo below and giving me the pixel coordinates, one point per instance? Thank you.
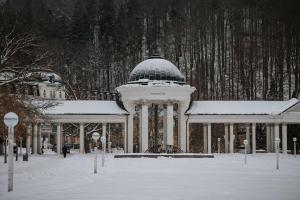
(277, 141)
(219, 140)
(5, 149)
(295, 150)
(21, 145)
(103, 140)
(246, 144)
(95, 137)
(10, 120)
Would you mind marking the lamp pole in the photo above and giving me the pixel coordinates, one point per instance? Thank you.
(5, 149)
(10, 120)
(295, 150)
(103, 140)
(246, 144)
(95, 137)
(21, 145)
(277, 141)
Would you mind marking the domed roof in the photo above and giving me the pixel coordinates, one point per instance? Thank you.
(45, 76)
(156, 68)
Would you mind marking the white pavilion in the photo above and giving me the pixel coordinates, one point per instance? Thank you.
(157, 87)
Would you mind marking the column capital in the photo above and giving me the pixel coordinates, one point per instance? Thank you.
(129, 106)
(144, 102)
(170, 102)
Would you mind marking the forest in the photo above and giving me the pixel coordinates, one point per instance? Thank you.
(227, 49)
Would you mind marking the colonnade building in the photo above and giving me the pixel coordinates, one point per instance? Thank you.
(155, 113)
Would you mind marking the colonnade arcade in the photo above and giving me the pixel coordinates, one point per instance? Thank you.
(173, 127)
(231, 137)
(107, 126)
(156, 83)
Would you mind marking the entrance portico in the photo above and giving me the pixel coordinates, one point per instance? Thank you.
(157, 81)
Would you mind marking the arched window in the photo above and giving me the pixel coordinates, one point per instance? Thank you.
(44, 93)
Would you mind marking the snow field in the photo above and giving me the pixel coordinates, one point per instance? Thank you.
(223, 177)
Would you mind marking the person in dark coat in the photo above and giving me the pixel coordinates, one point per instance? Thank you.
(64, 150)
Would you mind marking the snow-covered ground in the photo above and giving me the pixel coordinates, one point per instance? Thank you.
(50, 177)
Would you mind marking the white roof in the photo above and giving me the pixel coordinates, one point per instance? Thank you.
(240, 107)
(84, 107)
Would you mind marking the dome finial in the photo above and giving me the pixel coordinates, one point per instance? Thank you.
(155, 55)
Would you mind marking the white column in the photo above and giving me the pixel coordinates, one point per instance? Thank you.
(182, 106)
(35, 138)
(253, 138)
(188, 137)
(140, 131)
(204, 138)
(284, 138)
(248, 137)
(272, 141)
(28, 138)
(108, 140)
(276, 135)
(81, 137)
(104, 134)
(226, 138)
(130, 129)
(170, 124)
(276, 130)
(268, 138)
(144, 127)
(58, 138)
(209, 138)
(125, 136)
(231, 139)
(165, 129)
(39, 138)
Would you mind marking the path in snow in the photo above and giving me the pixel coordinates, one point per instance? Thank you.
(50, 177)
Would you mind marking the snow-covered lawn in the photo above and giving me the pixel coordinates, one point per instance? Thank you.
(50, 177)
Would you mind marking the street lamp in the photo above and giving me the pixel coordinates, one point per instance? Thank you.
(277, 141)
(103, 140)
(294, 140)
(246, 144)
(95, 137)
(10, 120)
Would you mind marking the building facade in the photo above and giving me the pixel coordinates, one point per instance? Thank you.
(154, 114)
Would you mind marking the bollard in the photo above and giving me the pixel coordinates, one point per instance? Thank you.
(103, 140)
(95, 160)
(295, 148)
(246, 144)
(277, 141)
(95, 137)
(219, 140)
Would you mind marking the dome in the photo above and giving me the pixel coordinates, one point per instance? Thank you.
(156, 69)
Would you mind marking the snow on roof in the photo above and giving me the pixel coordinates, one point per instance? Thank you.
(240, 107)
(156, 68)
(7, 75)
(85, 107)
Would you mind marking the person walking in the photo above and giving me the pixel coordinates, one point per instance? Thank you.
(64, 150)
